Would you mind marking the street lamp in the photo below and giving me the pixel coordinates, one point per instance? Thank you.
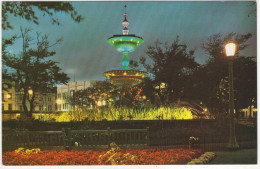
(30, 91)
(230, 49)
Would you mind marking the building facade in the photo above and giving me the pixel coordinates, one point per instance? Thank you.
(12, 102)
(64, 92)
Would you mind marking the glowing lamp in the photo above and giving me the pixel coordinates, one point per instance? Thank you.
(230, 49)
(30, 91)
(99, 103)
(8, 96)
(162, 85)
(58, 101)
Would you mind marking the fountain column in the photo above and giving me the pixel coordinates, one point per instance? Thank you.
(125, 61)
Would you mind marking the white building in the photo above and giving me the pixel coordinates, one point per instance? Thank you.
(64, 92)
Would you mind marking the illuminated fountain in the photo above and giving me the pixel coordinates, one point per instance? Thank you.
(125, 43)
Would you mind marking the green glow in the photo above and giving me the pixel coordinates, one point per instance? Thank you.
(125, 43)
(125, 61)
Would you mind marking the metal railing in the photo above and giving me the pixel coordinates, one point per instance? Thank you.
(68, 138)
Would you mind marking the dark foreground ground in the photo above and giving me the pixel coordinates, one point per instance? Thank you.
(242, 156)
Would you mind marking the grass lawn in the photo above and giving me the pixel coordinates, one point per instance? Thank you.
(242, 156)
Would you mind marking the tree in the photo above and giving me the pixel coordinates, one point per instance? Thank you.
(5, 43)
(100, 91)
(216, 68)
(32, 70)
(171, 65)
(27, 10)
(253, 9)
(245, 82)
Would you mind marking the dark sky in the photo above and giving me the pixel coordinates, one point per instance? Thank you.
(86, 53)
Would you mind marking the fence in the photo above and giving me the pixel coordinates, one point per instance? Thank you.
(88, 139)
(15, 139)
(68, 138)
(206, 142)
(122, 137)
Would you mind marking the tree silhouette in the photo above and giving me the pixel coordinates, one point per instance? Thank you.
(216, 68)
(171, 65)
(32, 69)
(100, 91)
(27, 10)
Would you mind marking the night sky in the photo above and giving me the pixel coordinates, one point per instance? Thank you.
(86, 53)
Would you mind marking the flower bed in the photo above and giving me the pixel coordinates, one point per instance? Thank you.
(149, 156)
(203, 159)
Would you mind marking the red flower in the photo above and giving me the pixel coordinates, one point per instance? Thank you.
(149, 156)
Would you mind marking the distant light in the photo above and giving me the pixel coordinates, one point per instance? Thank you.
(230, 49)
(125, 73)
(30, 91)
(144, 97)
(205, 109)
(162, 85)
(99, 103)
(8, 96)
(58, 101)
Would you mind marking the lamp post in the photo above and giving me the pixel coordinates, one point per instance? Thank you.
(230, 52)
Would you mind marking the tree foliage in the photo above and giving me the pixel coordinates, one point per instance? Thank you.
(100, 91)
(104, 91)
(27, 10)
(32, 69)
(215, 70)
(171, 65)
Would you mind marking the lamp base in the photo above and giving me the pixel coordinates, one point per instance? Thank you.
(233, 145)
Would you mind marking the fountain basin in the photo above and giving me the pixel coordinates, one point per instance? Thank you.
(125, 77)
(125, 43)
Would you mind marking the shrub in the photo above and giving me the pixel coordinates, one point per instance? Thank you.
(203, 159)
